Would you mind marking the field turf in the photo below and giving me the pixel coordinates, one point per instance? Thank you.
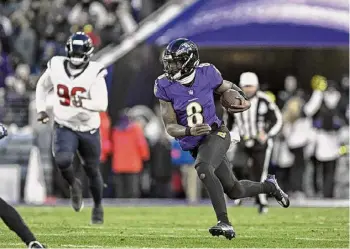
(184, 227)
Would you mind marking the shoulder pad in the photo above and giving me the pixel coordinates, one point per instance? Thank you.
(163, 81)
(54, 60)
(208, 66)
(161, 76)
(99, 67)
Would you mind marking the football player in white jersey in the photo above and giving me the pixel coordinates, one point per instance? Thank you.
(80, 93)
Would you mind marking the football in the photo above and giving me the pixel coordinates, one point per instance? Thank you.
(231, 98)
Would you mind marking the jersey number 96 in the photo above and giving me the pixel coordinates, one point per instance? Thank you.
(65, 95)
(194, 114)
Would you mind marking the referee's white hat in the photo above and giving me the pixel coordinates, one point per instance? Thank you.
(248, 79)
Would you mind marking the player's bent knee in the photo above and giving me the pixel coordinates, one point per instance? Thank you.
(236, 192)
(91, 170)
(64, 159)
(203, 170)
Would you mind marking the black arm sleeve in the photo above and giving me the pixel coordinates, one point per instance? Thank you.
(230, 121)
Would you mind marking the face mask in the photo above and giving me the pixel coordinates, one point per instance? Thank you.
(76, 61)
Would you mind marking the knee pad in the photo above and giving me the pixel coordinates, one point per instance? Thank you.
(64, 159)
(203, 170)
(236, 192)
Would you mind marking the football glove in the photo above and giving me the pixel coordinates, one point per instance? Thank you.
(3, 131)
(200, 130)
(43, 117)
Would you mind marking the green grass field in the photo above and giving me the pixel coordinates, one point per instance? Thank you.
(184, 227)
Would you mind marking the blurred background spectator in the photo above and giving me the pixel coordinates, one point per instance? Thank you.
(130, 152)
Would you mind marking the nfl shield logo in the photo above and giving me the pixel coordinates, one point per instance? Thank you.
(190, 92)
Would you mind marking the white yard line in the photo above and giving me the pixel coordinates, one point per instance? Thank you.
(80, 246)
(321, 239)
(193, 229)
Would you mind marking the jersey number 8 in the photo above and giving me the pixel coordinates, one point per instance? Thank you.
(194, 114)
(65, 95)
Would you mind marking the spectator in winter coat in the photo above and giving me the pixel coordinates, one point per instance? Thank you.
(130, 150)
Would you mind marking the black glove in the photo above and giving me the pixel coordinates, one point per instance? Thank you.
(200, 129)
(3, 131)
(43, 117)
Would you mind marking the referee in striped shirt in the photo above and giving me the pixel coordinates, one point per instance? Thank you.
(257, 126)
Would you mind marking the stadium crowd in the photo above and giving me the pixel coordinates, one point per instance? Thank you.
(32, 31)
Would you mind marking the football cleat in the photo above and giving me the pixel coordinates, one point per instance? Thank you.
(281, 197)
(35, 244)
(223, 229)
(76, 195)
(97, 215)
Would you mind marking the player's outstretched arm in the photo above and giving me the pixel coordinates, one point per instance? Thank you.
(98, 101)
(176, 130)
(43, 86)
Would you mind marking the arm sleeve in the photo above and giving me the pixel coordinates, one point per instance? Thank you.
(314, 104)
(98, 101)
(229, 120)
(277, 116)
(160, 93)
(214, 76)
(44, 85)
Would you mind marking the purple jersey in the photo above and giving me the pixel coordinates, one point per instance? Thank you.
(192, 104)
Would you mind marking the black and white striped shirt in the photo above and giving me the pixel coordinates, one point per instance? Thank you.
(263, 115)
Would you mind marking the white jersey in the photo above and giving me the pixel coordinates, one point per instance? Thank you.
(89, 83)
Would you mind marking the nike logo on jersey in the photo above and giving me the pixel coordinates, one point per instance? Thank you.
(192, 99)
